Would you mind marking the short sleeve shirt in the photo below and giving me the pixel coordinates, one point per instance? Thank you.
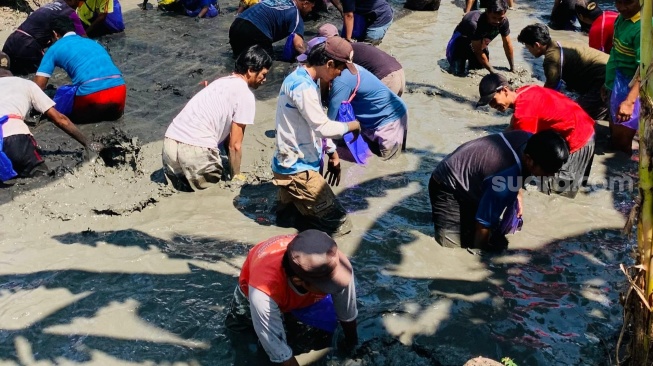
(17, 97)
(89, 9)
(377, 13)
(539, 109)
(87, 63)
(206, 119)
(277, 19)
(476, 26)
(38, 26)
(583, 68)
(374, 60)
(602, 31)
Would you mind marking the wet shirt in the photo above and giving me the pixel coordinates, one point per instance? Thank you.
(485, 172)
(563, 17)
(270, 293)
(17, 97)
(374, 60)
(377, 13)
(539, 109)
(374, 104)
(301, 125)
(277, 19)
(206, 119)
(583, 68)
(84, 60)
(476, 26)
(37, 24)
(625, 53)
(602, 31)
(90, 8)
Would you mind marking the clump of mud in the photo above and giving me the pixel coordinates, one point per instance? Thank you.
(121, 151)
(389, 351)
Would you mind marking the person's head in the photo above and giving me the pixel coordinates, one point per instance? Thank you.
(5, 63)
(545, 153)
(309, 46)
(314, 263)
(305, 6)
(627, 8)
(496, 11)
(253, 64)
(495, 90)
(587, 14)
(536, 38)
(61, 25)
(327, 30)
(330, 58)
(74, 3)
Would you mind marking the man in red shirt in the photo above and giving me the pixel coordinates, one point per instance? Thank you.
(600, 23)
(539, 109)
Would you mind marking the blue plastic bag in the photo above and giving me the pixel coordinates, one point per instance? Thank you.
(289, 52)
(449, 51)
(64, 99)
(114, 20)
(359, 149)
(620, 92)
(6, 168)
(321, 315)
(510, 223)
(212, 13)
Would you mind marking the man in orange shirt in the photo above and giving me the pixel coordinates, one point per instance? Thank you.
(290, 274)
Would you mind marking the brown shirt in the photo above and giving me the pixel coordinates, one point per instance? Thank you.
(583, 68)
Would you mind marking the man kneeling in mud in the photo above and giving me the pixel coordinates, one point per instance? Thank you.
(301, 282)
(475, 184)
(215, 116)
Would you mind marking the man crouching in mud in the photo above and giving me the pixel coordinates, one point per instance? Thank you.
(19, 156)
(216, 115)
(305, 199)
(301, 282)
(481, 179)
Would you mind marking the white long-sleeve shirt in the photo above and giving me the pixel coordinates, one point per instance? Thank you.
(301, 125)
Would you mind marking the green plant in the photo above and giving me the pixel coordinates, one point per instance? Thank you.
(507, 361)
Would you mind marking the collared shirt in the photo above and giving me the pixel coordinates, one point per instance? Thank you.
(90, 8)
(625, 53)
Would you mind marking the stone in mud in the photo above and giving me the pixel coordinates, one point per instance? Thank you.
(422, 5)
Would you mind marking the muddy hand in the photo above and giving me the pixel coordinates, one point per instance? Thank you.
(332, 175)
(92, 151)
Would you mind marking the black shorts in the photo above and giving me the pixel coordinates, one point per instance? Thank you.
(24, 52)
(243, 34)
(454, 220)
(461, 53)
(26, 160)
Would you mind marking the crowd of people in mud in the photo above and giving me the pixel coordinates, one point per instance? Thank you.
(344, 95)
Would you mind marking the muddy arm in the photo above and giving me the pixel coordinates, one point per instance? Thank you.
(66, 125)
(482, 236)
(99, 21)
(41, 81)
(348, 21)
(477, 47)
(236, 147)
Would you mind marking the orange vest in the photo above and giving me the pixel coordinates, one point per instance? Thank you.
(264, 271)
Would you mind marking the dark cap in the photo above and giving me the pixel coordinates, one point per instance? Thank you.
(315, 258)
(327, 30)
(490, 84)
(339, 49)
(309, 45)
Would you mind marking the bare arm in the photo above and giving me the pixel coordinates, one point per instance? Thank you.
(627, 107)
(507, 48)
(236, 147)
(468, 6)
(41, 81)
(97, 23)
(348, 22)
(477, 47)
(482, 236)
(203, 12)
(291, 362)
(298, 43)
(67, 126)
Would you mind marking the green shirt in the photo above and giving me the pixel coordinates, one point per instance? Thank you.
(583, 68)
(625, 52)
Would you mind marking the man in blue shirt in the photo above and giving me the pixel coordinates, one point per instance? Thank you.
(475, 184)
(268, 22)
(382, 114)
(101, 94)
(364, 20)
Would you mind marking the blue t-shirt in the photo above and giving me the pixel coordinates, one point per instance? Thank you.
(374, 104)
(377, 13)
(277, 19)
(499, 192)
(84, 60)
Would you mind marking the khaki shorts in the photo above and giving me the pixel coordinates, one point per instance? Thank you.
(395, 81)
(189, 167)
(315, 201)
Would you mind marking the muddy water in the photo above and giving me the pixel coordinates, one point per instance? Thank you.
(105, 265)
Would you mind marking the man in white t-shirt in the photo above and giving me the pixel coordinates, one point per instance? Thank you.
(214, 116)
(17, 97)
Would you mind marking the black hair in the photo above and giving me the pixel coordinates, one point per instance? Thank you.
(537, 32)
(590, 11)
(254, 58)
(497, 6)
(318, 57)
(62, 25)
(548, 150)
